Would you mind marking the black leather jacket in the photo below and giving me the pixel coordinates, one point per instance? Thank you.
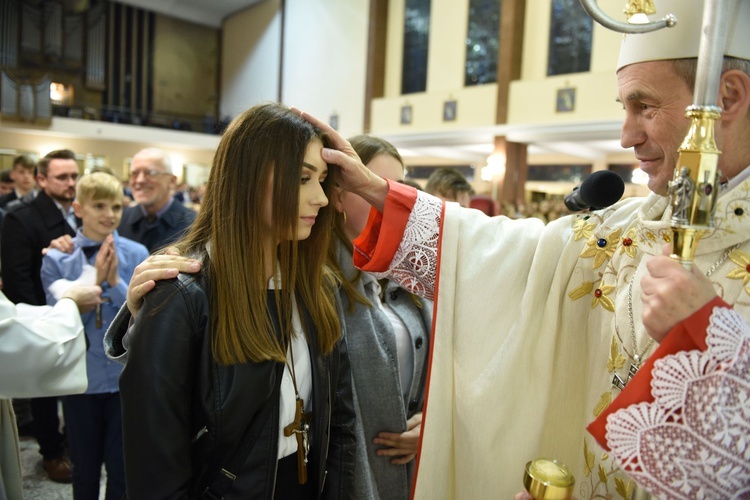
(184, 415)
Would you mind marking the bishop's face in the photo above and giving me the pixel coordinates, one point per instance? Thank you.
(654, 98)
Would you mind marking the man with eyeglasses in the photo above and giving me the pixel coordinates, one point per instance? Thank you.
(156, 220)
(27, 229)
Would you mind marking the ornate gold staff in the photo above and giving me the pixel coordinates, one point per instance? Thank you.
(695, 186)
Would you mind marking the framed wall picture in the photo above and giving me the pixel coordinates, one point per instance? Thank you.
(449, 110)
(566, 100)
(406, 114)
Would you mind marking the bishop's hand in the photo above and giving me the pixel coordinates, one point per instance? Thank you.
(355, 177)
(671, 293)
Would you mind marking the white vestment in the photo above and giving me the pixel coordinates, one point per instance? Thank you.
(532, 323)
(42, 353)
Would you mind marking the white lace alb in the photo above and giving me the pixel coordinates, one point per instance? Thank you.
(693, 440)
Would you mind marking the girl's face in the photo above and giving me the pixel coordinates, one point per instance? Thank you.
(311, 194)
(312, 197)
(357, 209)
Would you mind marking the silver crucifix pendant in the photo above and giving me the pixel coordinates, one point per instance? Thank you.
(305, 440)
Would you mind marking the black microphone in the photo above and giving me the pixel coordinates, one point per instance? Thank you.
(599, 190)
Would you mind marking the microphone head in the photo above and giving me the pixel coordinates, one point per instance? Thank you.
(602, 189)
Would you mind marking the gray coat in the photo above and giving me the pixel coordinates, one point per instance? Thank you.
(378, 398)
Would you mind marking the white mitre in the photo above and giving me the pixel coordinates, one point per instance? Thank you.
(682, 40)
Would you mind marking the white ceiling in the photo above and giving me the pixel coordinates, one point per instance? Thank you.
(205, 12)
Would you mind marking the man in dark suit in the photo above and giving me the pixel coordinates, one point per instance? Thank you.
(157, 219)
(27, 229)
(6, 182)
(22, 175)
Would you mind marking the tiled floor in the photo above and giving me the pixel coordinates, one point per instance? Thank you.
(36, 485)
(35, 482)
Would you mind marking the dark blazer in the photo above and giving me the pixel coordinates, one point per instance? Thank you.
(159, 233)
(27, 229)
(184, 414)
(7, 198)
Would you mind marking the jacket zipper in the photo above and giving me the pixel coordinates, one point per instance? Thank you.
(275, 445)
(199, 434)
(328, 434)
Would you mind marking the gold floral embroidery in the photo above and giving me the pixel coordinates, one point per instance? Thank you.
(582, 228)
(582, 290)
(603, 403)
(598, 485)
(601, 296)
(616, 360)
(588, 458)
(630, 243)
(742, 259)
(602, 474)
(624, 490)
(601, 253)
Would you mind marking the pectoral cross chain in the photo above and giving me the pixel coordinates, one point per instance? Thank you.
(300, 428)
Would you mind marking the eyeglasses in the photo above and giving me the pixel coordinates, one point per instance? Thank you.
(65, 177)
(149, 174)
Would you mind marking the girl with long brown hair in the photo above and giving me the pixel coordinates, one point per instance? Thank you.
(237, 383)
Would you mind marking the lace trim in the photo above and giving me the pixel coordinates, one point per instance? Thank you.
(414, 266)
(693, 441)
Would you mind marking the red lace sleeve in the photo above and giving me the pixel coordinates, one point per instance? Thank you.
(375, 247)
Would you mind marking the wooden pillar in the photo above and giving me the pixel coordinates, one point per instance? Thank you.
(511, 187)
(376, 43)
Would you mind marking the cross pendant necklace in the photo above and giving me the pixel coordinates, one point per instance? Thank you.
(300, 427)
(617, 381)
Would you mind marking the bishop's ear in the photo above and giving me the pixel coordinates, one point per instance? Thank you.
(734, 94)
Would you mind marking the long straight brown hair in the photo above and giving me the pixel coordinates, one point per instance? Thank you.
(266, 140)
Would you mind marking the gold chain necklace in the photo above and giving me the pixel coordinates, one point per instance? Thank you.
(637, 358)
